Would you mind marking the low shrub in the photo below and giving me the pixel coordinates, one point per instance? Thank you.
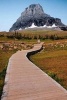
(54, 76)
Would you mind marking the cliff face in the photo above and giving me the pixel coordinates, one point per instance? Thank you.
(35, 14)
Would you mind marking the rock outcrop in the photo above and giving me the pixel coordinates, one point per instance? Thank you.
(35, 14)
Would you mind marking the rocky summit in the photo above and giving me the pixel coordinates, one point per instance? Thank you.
(35, 14)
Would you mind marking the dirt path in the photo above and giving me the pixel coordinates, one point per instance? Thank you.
(25, 81)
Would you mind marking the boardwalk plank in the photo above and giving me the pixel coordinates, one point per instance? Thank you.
(25, 81)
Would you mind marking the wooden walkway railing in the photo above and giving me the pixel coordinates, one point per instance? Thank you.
(25, 81)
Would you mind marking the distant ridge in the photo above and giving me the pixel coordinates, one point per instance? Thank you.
(35, 14)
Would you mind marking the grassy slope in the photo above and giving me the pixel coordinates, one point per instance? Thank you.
(37, 33)
(54, 62)
(41, 59)
(4, 57)
(42, 32)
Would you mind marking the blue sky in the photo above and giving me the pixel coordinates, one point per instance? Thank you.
(10, 10)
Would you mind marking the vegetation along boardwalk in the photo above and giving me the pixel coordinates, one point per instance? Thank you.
(25, 81)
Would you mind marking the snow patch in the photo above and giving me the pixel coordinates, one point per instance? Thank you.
(45, 26)
(54, 25)
(20, 28)
(32, 26)
(49, 26)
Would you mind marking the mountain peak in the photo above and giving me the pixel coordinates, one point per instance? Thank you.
(32, 10)
(35, 14)
(36, 7)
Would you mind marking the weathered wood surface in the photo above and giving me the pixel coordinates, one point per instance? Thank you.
(25, 81)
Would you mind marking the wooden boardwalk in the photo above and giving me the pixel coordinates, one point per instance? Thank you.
(25, 81)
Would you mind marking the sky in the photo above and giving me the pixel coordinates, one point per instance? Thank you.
(10, 10)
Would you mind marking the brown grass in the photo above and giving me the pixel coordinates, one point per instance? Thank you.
(6, 54)
(53, 60)
(4, 57)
